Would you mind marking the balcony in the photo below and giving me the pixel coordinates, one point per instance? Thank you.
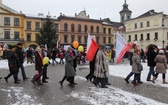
(11, 40)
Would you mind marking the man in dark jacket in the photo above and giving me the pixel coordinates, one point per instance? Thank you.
(19, 53)
(13, 63)
(151, 54)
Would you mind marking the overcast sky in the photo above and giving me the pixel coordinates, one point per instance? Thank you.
(95, 8)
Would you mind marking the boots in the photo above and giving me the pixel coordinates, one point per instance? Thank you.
(164, 82)
(154, 78)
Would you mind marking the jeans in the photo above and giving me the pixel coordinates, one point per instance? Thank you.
(129, 75)
(54, 60)
(136, 77)
(151, 72)
(23, 72)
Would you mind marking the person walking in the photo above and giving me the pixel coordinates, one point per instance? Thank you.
(29, 54)
(69, 69)
(19, 52)
(151, 54)
(38, 66)
(13, 63)
(101, 68)
(136, 66)
(53, 56)
(161, 66)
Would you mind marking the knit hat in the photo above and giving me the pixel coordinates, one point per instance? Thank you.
(161, 52)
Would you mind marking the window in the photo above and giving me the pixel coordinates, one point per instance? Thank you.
(72, 27)
(135, 25)
(104, 40)
(129, 38)
(85, 39)
(72, 38)
(16, 22)
(28, 25)
(141, 36)
(109, 31)
(148, 36)
(109, 40)
(28, 37)
(156, 35)
(104, 30)
(135, 37)
(122, 19)
(7, 34)
(37, 36)
(91, 29)
(37, 26)
(65, 38)
(86, 28)
(7, 21)
(97, 39)
(97, 29)
(128, 17)
(66, 27)
(16, 35)
(56, 27)
(141, 24)
(148, 23)
(79, 39)
(79, 28)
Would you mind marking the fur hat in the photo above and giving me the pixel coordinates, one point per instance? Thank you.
(38, 48)
(20, 44)
(161, 52)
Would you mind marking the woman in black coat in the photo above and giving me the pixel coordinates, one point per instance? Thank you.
(13, 63)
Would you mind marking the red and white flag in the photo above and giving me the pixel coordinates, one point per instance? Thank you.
(121, 47)
(92, 48)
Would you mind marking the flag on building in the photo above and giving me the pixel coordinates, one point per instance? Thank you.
(92, 48)
(121, 47)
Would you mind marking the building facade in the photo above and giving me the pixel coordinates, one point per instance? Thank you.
(150, 28)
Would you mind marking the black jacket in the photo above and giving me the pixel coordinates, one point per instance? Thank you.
(19, 53)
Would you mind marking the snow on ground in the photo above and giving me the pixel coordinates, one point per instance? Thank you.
(22, 98)
(111, 96)
(4, 64)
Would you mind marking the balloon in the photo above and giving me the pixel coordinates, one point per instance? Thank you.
(80, 48)
(45, 60)
(75, 44)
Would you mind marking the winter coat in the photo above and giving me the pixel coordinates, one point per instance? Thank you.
(19, 53)
(13, 62)
(150, 58)
(101, 68)
(161, 63)
(38, 62)
(136, 64)
(69, 69)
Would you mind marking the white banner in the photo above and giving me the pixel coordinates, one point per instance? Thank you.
(121, 47)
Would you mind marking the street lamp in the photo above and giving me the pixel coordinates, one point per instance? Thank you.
(163, 43)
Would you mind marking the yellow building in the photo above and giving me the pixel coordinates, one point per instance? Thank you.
(148, 29)
(11, 25)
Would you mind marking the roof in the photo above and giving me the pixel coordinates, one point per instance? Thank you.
(148, 13)
(40, 16)
(81, 19)
(9, 9)
(114, 24)
(125, 8)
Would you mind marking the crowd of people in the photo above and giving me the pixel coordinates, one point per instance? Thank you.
(156, 60)
(99, 69)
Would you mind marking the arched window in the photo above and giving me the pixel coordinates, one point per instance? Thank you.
(86, 28)
(92, 29)
(97, 29)
(79, 28)
(72, 27)
(65, 27)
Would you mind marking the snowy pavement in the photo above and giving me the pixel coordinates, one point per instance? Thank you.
(86, 92)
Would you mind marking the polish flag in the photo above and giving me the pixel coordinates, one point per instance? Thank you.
(92, 48)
